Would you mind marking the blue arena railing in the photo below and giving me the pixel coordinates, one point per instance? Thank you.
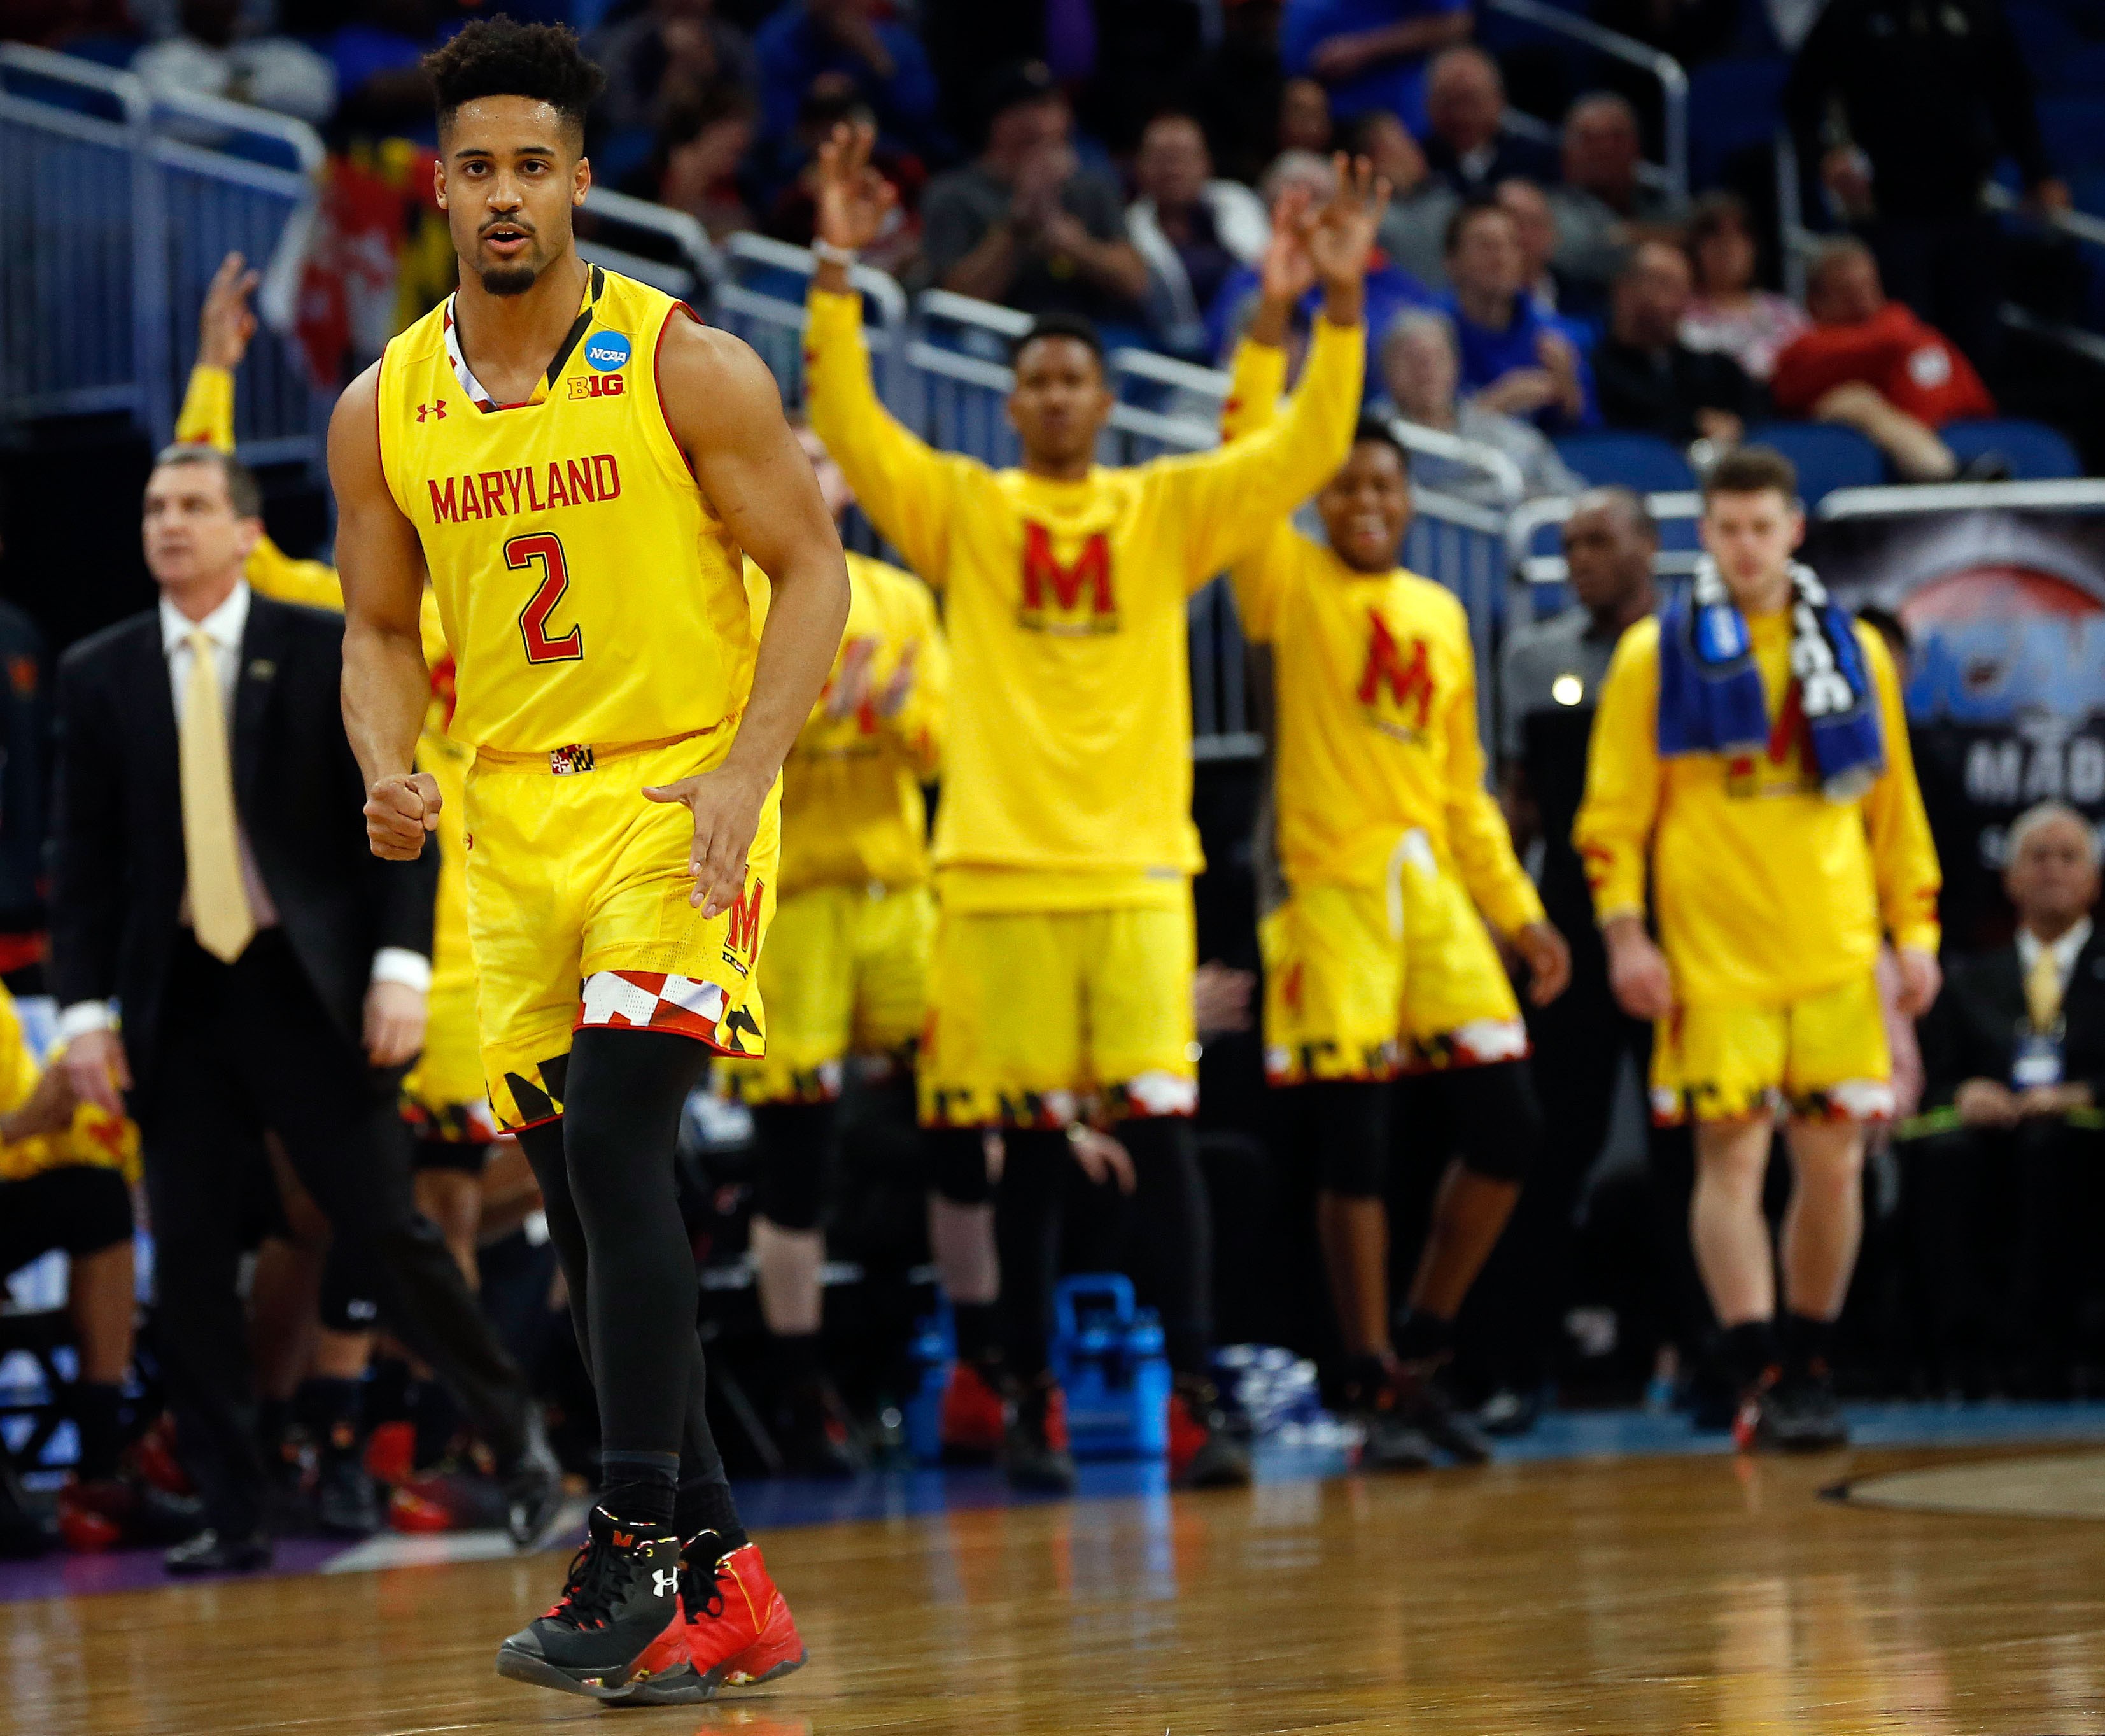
(116, 206)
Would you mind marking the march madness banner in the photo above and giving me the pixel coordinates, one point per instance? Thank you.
(2006, 692)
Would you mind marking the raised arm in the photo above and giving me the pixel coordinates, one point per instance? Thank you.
(909, 491)
(725, 411)
(1231, 499)
(386, 685)
(226, 323)
(1257, 377)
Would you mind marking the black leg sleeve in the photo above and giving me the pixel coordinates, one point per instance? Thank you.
(1176, 1256)
(1026, 1233)
(795, 1143)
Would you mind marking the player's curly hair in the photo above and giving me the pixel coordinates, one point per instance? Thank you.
(499, 56)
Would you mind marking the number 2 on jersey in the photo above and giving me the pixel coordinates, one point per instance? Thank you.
(545, 550)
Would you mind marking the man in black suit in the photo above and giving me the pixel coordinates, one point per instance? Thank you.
(2005, 1160)
(212, 879)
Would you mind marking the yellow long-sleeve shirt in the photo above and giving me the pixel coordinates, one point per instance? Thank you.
(207, 419)
(95, 1139)
(1067, 759)
(1374, 687)
(853, 813)
(1766, 891)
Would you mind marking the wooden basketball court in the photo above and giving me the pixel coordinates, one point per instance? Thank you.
(1644, 1595)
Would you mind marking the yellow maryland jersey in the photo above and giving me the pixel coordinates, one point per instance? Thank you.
(1374, 688)
(588, 591)
(1767, 892)
(853, 813)
(1067, 757)
(206, 419)
(95, 1139)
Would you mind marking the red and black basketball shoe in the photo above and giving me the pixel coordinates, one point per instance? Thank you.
(1206, 1450)
(972, 1418)
(734, 1630)
(622, 1593)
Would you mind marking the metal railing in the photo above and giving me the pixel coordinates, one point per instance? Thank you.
(1671, 176)
(760, 296)
(117, 205)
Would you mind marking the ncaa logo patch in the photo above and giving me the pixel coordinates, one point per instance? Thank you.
(607, 351)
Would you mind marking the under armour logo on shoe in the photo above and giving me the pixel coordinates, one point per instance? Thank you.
(664, 1581)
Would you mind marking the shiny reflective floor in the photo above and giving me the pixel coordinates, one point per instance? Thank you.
(1640, 1595)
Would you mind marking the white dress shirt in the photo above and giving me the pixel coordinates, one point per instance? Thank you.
(224, 627)
(2063, 951)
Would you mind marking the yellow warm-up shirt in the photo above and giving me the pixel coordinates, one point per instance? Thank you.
(1766, 891)
(1067, 759)
(853, 813)
(97, 1139)
(1374, 687)
(207, 419)
(589, 591)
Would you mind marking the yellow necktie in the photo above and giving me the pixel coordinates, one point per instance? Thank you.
(2043, 990)
(219, 913)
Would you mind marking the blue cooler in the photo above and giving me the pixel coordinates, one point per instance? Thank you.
(1109, 1358)
(933, 1351)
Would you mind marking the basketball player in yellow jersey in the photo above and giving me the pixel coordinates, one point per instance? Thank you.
(578, 464)
(1378, 962)
(1065, 845)
(847, 966)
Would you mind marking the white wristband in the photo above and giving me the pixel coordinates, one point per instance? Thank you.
(827, 253)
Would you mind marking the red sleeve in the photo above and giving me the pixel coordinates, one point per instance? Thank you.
(1814, 363)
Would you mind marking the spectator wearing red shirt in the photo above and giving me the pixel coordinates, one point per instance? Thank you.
(1873, 365)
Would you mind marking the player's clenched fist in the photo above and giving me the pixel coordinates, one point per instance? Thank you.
(399, 809)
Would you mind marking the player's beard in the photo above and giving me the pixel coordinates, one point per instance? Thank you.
(508, 279)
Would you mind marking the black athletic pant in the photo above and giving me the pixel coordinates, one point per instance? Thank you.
(246, 1047)
(609, 1194)
(1174, 1257)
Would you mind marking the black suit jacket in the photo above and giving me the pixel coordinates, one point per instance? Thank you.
(1971, 1033)
(118, 845)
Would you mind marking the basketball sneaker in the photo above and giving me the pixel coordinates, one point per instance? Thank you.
(973, 1421)
(1388, 1442)
(734, 1630)
(1034, 1449)
(1417, 1402)
(622, 1592)
(817, 1435)
(1791, 1413)
(1205, 1451)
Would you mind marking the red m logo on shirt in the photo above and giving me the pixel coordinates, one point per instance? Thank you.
(1409, 679)
(1059, 598)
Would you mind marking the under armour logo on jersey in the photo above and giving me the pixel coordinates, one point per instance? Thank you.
(436, 412)
(664, 1581)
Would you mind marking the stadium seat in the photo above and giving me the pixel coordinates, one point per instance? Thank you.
(1733, 105)
(1638, 461)
(2073, 129)
(2035, 453)
(1827, 458)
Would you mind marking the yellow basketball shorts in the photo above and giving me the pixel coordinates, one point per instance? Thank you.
(1362, 983)
(1032, 1012)
(1824, 1058)
(846, 974)
(444, 1096)
(577, 915)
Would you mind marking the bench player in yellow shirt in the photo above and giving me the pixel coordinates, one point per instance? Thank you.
(1378, 963)
(1751, 752)
(848, 957)
(580, 465)
(1064, 845)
